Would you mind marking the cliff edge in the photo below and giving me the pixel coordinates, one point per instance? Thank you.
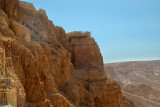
(50, 68)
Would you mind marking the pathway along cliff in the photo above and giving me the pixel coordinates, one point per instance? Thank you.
(50, 68)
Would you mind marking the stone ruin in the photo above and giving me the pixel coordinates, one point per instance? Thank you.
(79, 34)
(8, 95)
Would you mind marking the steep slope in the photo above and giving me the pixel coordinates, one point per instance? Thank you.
(139, 81)
(49, 70)
(88, 63)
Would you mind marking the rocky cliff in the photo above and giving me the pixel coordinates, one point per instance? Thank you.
(139, 81)
(50, 68)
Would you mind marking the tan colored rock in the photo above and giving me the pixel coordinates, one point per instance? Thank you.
(107, 94)
(4, 28)
(59, 101)
(12, 8)
(4, 15)
(77, 93)
(84, 51)
(19, 30)
(44, 103)
(88, 63)
(50, 68)
(15, 83)
(37, 65)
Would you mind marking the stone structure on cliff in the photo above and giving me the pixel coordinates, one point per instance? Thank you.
(50, 68)
(8, 95)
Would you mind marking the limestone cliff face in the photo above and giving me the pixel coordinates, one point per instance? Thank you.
(88, 63)
(84, 50)
(51, 69)
(12, 8)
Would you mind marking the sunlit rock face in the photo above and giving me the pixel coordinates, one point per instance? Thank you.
(47, 70)
(84, 50)
(88, 63)
(138, 80)
(11, 8)
(10, 86)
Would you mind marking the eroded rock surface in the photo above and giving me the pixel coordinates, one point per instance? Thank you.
(88, 63)
(84, 50)
(51, 68)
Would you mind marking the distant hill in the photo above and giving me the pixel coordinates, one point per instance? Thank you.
(139, 80)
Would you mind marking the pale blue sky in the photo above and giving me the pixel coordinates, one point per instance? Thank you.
(124, 29)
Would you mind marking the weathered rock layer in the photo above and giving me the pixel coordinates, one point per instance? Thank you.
(49, 67)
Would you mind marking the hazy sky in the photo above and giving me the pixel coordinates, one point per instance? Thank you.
(124, 29)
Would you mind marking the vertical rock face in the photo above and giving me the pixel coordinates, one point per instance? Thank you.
(84, 50)
(51, 69)
(11, 7)
(7, 74)
(88, 63)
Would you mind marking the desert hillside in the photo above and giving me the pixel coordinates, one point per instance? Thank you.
(139, 81)
(50, 68)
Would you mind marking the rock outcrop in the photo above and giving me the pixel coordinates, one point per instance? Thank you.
(85, 52)
(88, 63)
(49, 67)
(139, 81)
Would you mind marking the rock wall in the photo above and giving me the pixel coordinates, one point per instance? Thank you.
(48, 68)
(88, 63)
(84, 50)
(12, 8)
